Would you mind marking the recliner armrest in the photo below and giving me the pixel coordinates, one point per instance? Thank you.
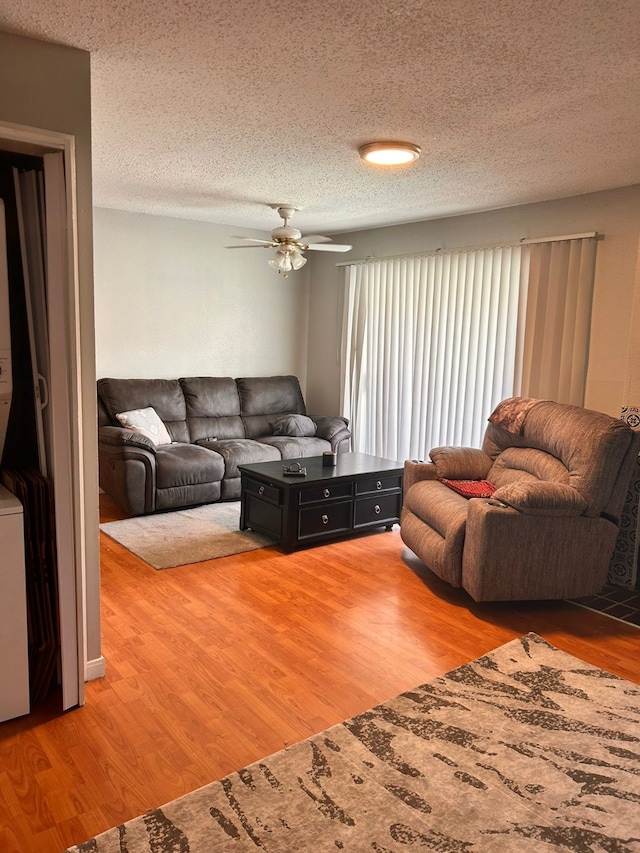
(542, 498)
(113, 437)
(461, 463)
(416, 470)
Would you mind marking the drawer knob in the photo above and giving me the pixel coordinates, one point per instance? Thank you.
(376, 509)
(327, 493)
(379, 485)
(325, 519)
(261, 490)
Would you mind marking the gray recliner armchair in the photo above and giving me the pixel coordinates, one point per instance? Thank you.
(556, 478)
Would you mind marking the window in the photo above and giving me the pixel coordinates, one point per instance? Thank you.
(431, 344)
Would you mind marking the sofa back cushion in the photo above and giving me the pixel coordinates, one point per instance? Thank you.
(163, 395)
(213, 407)
(263, 397)
(563, 444)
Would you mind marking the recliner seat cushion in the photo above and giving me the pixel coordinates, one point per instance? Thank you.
(187, 465)
(440, 507)
(296, 447)
(243, 452)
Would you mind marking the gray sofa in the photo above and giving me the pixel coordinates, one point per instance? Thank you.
(214, 424)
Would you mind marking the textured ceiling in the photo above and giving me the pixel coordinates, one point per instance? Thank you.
(210, 111)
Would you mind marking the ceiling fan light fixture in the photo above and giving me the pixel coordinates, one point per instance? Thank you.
(298, 260)
(287, 258)
(281, 262)
(389, 153)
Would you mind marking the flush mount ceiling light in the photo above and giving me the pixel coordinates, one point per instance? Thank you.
(389, 153)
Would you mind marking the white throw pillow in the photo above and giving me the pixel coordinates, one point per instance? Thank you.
(146, 422)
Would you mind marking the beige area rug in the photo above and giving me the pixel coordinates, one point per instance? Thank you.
(524, 749)
(169, 539)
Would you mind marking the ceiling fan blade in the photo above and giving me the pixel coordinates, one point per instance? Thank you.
(256, 246)
(328, 247)
(315, 238)
(253, 240)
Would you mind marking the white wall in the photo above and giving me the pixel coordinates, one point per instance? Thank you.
(171, 301)
(613, 377)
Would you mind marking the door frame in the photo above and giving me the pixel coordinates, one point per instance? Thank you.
(72, 591)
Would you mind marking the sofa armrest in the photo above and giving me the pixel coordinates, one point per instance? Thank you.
(543, 498)
(416, 470)
(461, 463)
(114, 437)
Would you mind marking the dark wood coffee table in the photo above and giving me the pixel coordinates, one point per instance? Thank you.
(361, 492)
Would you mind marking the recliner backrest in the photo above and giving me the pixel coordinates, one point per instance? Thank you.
(213, 407)
(564, 444)
(263, 398)
(163, 395)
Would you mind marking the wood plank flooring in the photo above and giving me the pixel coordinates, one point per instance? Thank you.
(215, 665)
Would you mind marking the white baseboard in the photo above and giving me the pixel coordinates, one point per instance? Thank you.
(96, 668)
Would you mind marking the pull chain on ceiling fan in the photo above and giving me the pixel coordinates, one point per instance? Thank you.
(290, 244)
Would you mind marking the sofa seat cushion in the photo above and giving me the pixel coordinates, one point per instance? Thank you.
(290, 447)
(242, 451)
(187, 465)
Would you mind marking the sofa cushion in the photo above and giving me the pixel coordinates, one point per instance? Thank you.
(187, 465)
(164, 395)
(294, 425)
(329, 427)
(243, 452)
(295, 447)
(213, 407)
(262, 397)
(147, 423)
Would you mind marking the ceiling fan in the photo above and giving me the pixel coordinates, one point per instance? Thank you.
(289, 243)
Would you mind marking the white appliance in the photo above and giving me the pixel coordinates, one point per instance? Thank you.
(14, 651)
(14, 643)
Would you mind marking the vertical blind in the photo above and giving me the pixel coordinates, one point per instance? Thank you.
(431, 344)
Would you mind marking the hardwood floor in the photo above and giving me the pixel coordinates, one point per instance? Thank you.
(214, 665)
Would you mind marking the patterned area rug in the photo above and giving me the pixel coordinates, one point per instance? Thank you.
(166, 540)
(524, 749)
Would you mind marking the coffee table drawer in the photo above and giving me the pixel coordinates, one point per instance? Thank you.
(264, 490)
(325, 492)
(316, 521)
(260, 515)
(378, 510)
(378, 484)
